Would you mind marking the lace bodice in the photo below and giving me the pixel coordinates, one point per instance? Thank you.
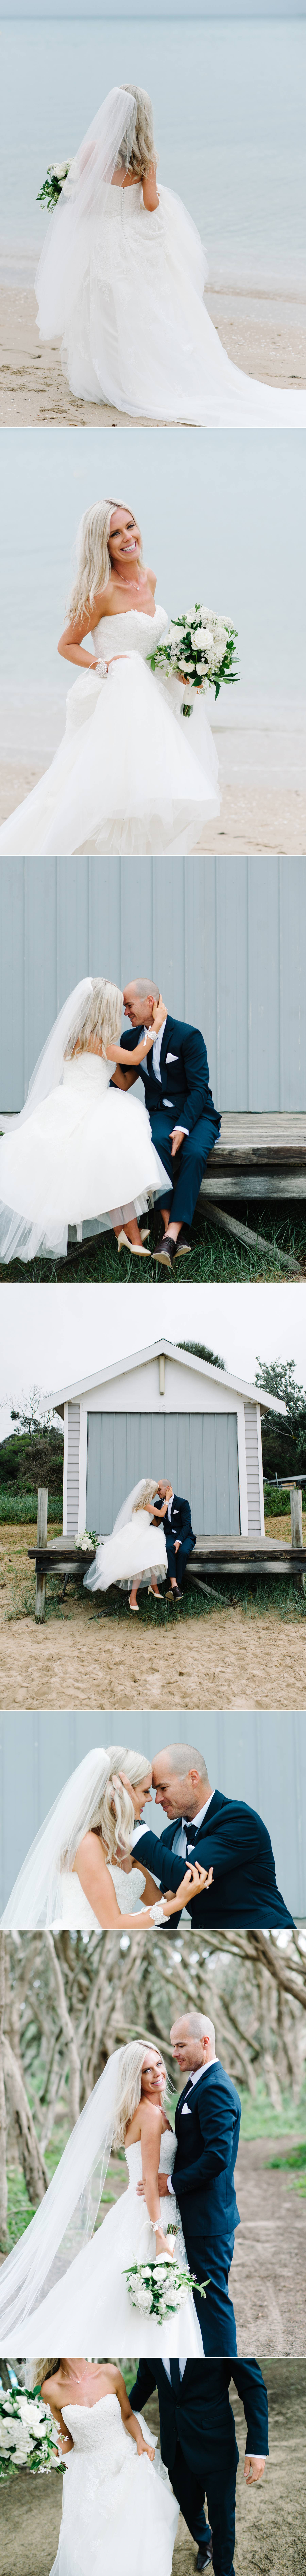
(132, 632)
(87, 1072)
(166, 2160)
(99, 2428)
(76, 1912)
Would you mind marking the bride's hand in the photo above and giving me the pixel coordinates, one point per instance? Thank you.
(132, 1793)
(192, 1884)
(159, 1015)
(147, 2447)
(162, 2244)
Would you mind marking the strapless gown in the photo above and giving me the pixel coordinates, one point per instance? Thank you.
(76, 1914)
(119, 2513)
(84, 1159)
(135, 1549)
(131, 777)
(134, 326)
(90, 2308)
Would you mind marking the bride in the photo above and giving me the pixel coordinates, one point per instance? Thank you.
(126, 781)
(79, 1873)
(126, 1557)
(117, 2497)
(121, 280)
(67, 2283)
(78, 1154)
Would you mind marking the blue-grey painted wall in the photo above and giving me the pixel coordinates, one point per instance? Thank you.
(253, 1755)
(224, 938)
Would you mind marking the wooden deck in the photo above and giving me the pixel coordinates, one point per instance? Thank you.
(258, 1155)
(252, 1559)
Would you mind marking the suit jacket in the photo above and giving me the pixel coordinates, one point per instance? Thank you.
(184, 1080)
(204, 2392)
(234, 1839)
(207, 2131)
(180, 1526)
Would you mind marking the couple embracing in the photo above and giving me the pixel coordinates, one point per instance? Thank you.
(121, 2490)
(83, 1156)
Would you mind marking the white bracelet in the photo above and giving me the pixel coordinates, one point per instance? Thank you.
(157, 1912)
(101, 667)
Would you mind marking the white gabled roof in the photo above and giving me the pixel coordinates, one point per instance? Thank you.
(170, 1351)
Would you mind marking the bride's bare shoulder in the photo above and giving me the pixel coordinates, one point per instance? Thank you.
(152, 579)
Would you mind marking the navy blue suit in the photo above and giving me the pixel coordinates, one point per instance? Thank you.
(181, 1098)
(235, 1842)
(198, 2441)
(207, 2123)
(180, 1528)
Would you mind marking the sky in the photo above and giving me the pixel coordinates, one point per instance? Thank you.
(50, 1336)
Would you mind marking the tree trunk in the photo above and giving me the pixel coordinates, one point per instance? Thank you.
(31, 2160)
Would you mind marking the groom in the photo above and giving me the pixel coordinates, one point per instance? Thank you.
(198, 2443)
(227, 1837)
(207, 2123)
(183, 1121)
(174, 1511)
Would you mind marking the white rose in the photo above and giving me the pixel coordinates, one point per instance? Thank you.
(6, 2443)
(59, 169)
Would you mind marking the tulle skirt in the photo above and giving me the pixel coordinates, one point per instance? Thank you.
(90, 2308)
(79, 1161)
(125, 2520)
(134, 327)
(128, 778)
(129, 1552)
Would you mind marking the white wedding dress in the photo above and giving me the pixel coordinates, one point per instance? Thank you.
(76, 1913)
(83, 1158)
(128, 1552)
(135, 329)
(90, 2306)
(119, 2513)
(129, 778)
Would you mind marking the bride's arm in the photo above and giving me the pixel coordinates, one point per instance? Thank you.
(65, 2442)
(129, 2420)
(71, 643)
(149, 189)
(131, 1055)
(150, 2140)
(95, 1879)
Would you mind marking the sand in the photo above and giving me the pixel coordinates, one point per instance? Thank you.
(268, 2272)
(33, 390)
(253, 820)
(87, 1656)
(270, 2519)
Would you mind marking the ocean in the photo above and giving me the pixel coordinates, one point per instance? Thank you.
(228, 101)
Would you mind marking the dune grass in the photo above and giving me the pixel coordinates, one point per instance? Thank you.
(213, 1256)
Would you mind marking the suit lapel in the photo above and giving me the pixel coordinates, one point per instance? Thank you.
(165, 1042)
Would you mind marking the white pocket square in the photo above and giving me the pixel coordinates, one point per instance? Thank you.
(171, 1059)
(186, 2113)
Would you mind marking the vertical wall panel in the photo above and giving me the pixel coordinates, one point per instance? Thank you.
(224, 938)
(73, 1469)
(252, 1467)
(198, 1452)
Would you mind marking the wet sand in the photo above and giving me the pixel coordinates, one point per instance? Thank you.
(268, 344)
(254, 821)
(270, 2519)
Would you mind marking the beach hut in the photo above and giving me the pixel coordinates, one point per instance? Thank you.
(163, 1412)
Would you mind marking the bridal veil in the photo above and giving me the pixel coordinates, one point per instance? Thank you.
(85, 192)
(65, 2220)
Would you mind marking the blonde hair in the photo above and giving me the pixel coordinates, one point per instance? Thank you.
(142, 156)
(101, 1017)
(148, 1493)
(115, 1819)
(94, 563)
(129, 2086)
(45, 2370)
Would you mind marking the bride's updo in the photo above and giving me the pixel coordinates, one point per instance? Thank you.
(106, 1809)
(149, 1491)
(93, 558)
(142, 156)
(101, 1019)
(129, 2086)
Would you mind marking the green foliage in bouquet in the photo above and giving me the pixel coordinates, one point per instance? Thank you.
(53, 184)
(200, 649)
(28, 2438)
(159, 2289)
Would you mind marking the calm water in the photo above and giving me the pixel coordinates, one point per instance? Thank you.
(229, 115)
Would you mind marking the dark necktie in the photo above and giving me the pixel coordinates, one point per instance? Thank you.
(191, 1833)
(175, 2378)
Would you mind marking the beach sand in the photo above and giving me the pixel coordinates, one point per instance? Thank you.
(266, 344)
(254, 820)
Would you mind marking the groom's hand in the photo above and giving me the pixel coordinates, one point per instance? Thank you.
(253, 2469)
(162, 2186)
(176, 1136)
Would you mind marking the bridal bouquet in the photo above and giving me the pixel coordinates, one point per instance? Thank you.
(86, 1540)
(28, 2438)
(201, 648)
(53, 183)
(158, 2289)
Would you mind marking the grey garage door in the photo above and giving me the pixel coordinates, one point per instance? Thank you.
(198, 1452)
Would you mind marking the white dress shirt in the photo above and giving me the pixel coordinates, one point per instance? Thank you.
(180, 1844)
(184, 1131)
(181, 2364)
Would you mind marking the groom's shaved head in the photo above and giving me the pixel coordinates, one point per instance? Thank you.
(180, 1780)
(193, 2042)
(143, 986)
(138, 998)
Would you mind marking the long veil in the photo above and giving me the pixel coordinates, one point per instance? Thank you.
(50, 1064)
(36, 1897)
(66, 2217)
(85, 192)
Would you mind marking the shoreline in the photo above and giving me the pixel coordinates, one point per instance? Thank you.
(268, 346)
